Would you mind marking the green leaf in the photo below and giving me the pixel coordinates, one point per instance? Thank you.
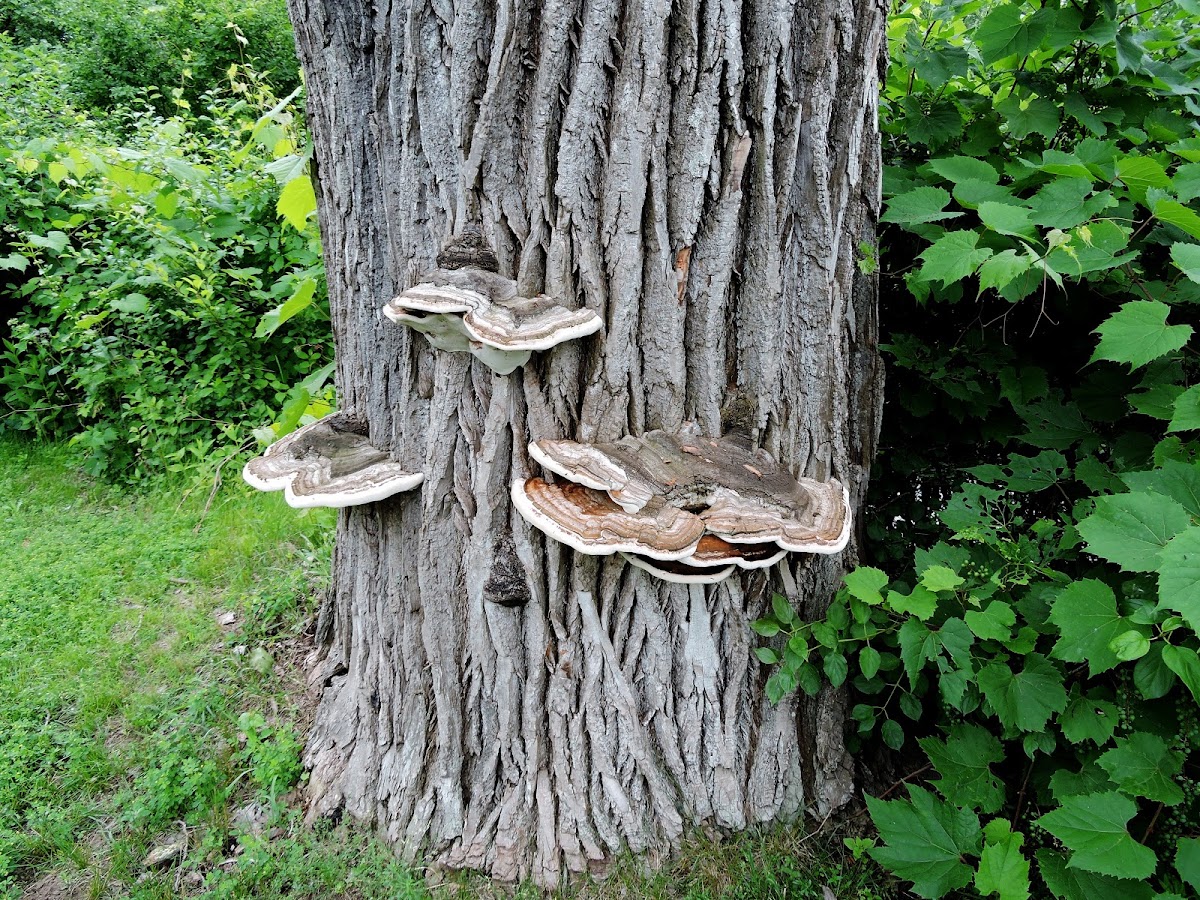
(865, 583)
(131, 303)
(1138, 333)
(1179, 576)
(836, 669)
(782, 609)
(1151, 676)
(1092, 247)
(924, 204)
(1027, 700)
(1003, 868)
(994, 622)
(1157, 401)
(297, 201)
(1003, 33)
(1085, 613)
(301, 299)
(1187, 860)
(1175, 213)
(953, 257)
(892, 734)
(921, 603)
(1006, 218)
(1057, 162)
(1086, 719)
(940, 578)
(1140, 173)
(999, 270)
(1078, 884)
(1186, 414)
(925, 841)
(1184, 662)
(958, 169)
(1066, 202)
(963, 761)
(1093, 827)
(1187, 257)
(54, 240)
(1131, 529)
(766, 655)
(1130, 645)
(1034, 116)
(1144, 766)
(869, 661)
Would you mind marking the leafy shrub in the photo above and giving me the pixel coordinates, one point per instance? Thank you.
(148, 267)
(115, 50)
(1041, 256)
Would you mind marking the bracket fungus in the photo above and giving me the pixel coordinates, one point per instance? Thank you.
(465, 306)
(641, 496)
(329, 463)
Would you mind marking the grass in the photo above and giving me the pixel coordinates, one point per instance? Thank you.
(150, 669)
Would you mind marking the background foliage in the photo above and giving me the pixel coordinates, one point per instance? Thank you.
(1035, 659)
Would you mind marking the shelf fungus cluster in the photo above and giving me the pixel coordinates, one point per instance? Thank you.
(684, 507)
(329, 463)
(476, 311)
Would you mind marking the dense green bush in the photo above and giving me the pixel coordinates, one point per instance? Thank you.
(1041, 265)
(114, 50)
(147, 268)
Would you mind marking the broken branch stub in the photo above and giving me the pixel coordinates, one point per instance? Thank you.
(477, 311)
(753, 511)
(329, 463)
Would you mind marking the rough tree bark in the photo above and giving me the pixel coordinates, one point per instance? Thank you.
(702, 173)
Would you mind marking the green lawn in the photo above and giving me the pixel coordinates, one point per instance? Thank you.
(135, 714)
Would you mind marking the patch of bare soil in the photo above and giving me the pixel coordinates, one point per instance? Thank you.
(52, 887)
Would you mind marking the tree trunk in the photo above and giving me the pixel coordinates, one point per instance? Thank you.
(701, 173)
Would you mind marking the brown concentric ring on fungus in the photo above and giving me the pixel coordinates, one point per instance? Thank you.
(679, 571)
(590, 522)
(715, 551)
(329, 463)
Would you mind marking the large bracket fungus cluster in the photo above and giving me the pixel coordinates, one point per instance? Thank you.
(329, 463)
(465, 306)
(684, 507)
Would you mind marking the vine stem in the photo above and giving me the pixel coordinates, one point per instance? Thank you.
(1021, 795)
(1153, 821)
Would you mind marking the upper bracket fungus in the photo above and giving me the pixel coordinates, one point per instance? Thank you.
(737, 506)
(329, 463)
(465, 306)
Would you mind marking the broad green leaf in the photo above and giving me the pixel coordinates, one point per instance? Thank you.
(1140, 173)
(921, 602)
(865, 583)
(1034, 116)
(932, 125)
(1184, 662)
(1006, 218)
(54, 240)
(924, 204)
(925, 840)
(301, 299)
(1066, 202)
(869, 661)
(1143, 765)
(1175, 213)
(1093, 827)
(1179, 576)
(1003, 868)
(1130, 645)
(973, 191)
(1003, 33)
(958, 169)
(999, 270)
(1187, 860)
(1086, 719)
(953, 257)
(963, 761)
(1151, 676)
(1057, 162)
(1186, 414)
(1138, 333)
(297, 201)
(836, 669)
(1092, 247)
(994, 622)
(1186, 182)
(1078, 884)
(14, 261)
(1187, 257)
(57, 172)
(131, 303)
(1158, 401)
(940, 578)
(1085, 613)
(1025, 700)
(1131, 529)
